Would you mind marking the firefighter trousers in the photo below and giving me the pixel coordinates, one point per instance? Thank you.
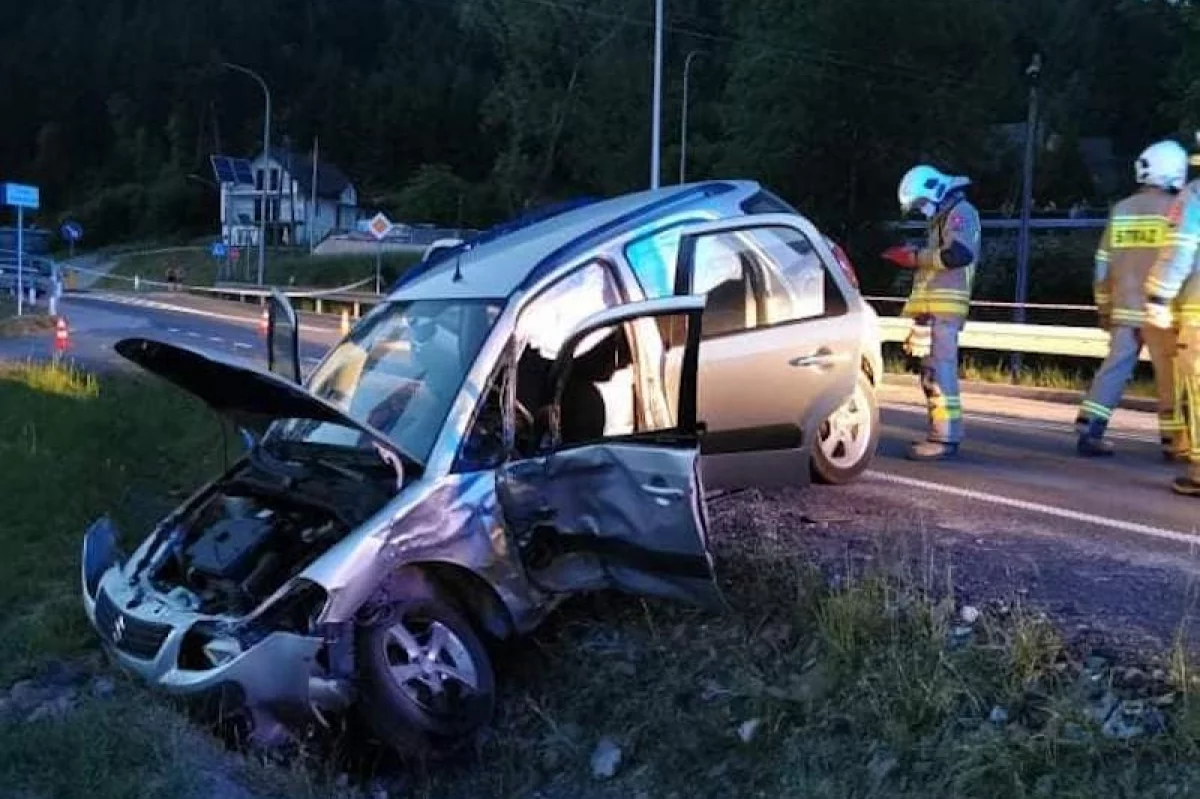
(1188, 375)
(939, 381)
(1108, 385)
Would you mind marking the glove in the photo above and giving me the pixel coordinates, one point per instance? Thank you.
(920, 340)
(902, 256)
(1159, 315)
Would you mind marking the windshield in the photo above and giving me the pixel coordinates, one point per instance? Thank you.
(399, 371)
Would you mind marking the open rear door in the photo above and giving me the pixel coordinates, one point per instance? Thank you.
(283, 337)
(624, 511)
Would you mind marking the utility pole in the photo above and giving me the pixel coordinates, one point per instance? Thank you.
(262, 218)
(656, 126)
(312, 205)
(1032, 75)
(683, 123)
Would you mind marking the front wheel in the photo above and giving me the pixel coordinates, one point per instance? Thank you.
(427, 679)
(847, 440)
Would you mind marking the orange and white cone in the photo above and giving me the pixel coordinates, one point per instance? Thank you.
(262, 323)
(345, 321)
(62, 335)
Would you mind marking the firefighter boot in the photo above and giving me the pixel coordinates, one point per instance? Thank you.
(1091, 443)
(931, 451)
(1187, 486)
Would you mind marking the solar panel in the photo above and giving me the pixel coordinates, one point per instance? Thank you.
(242, 171)
(223, 169)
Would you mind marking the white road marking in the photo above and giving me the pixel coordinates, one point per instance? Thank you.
(1037, 507)
(162, 306)
(193, 334)
(242, 346)
(174, 330)
(1028, 424)
(215, 339)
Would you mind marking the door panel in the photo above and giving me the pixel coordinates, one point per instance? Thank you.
(785, 352)
(283, 337)
(623, 516)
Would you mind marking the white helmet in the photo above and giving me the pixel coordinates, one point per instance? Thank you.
(923, 188)
(1163, 164)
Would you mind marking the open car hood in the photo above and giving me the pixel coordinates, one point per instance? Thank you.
(251, 397)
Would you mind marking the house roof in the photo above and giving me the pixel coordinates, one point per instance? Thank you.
(331, 181)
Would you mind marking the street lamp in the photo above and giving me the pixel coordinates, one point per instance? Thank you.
(262, 217)
(1032, 74)
(656, 126)
(683, 129)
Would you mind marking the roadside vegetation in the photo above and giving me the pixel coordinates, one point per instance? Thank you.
(873, 681)
(32, 320)
(283, 268)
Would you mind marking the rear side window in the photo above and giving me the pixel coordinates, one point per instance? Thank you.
(762, 277)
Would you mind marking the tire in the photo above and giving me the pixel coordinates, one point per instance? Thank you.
(409, 715)
(837, 463)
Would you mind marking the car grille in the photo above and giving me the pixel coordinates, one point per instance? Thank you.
(142, 639)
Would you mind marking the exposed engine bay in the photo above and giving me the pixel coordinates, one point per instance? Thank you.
(261, 525)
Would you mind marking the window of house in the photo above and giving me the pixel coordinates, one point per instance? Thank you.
(258, 210)
(258, 180)
(274, 180)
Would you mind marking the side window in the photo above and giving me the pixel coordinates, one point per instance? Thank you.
(759, 277)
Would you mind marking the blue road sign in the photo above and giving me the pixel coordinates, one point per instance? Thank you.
(218, 249)
(21, 196)
(72, 231)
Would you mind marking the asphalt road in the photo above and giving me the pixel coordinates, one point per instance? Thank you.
(1099, 543)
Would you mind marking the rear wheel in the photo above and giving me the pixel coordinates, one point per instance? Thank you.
(427, 680)
(847, 440)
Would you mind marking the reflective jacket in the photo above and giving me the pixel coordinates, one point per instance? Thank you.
(1175, 277)
(946, 264)
(1133, 238)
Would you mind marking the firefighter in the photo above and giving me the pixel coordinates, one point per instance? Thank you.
(1173, 300)
(1134, 237)
(940, 297)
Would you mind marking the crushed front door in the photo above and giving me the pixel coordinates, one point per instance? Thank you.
(624, 512)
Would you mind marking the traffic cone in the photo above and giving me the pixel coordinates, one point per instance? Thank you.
(62, 335)
(262, 323)
(345, 321)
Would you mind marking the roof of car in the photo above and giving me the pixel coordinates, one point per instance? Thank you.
(509, 257)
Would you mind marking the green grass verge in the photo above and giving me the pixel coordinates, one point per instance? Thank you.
(32, 320)
(841, 692)
(283, 268)
(1035, 373)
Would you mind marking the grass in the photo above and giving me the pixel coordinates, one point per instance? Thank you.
(32, 320)
(283, 268)
(861, 688)
(1036, 372)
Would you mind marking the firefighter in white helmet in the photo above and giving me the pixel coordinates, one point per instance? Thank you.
(1173, 300)
(940, 297)
(1133, 239)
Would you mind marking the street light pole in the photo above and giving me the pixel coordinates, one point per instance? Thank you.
(683, 123)
(262, 217)
(1032, 74)
(656, 126)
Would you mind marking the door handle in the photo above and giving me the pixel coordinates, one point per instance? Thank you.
(662, 491)
(819, 358)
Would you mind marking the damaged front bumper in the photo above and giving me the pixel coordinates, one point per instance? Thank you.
(187, 653)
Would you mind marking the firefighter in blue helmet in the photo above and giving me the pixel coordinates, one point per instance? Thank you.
(940, 297)
(1134, 237)
(1173, 301)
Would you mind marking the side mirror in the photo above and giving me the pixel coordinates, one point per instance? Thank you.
(283, 337)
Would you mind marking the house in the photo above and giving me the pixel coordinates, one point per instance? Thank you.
(283, 187)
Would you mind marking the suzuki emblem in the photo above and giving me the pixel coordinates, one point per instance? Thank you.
(118, 629)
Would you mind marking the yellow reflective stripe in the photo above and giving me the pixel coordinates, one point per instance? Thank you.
(1102, 256)
(1156, 286)
(1096, 410)
(1130, 317)
(1132, 232)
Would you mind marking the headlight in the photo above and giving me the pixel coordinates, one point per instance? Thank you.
(295, 611)
(220, 651)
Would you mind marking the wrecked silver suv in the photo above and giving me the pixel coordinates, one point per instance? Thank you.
(515, 423)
